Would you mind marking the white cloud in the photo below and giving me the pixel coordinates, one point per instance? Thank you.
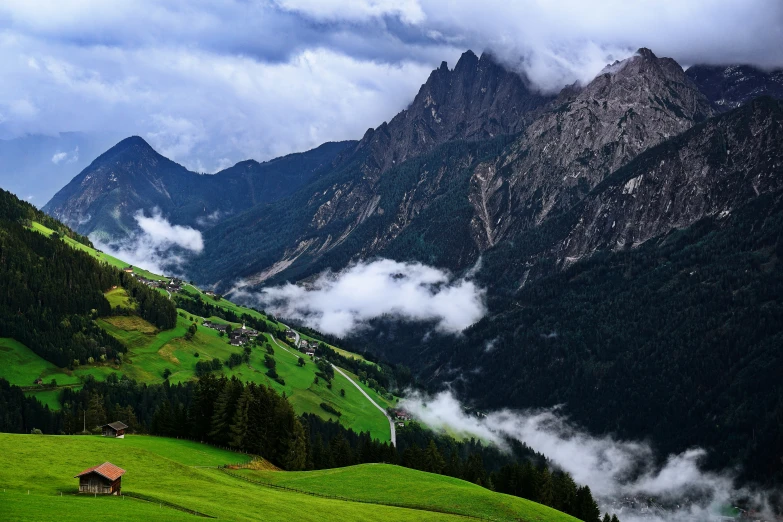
(163, 234)
(341, 303)
(66, 157)
(159, 247)
(612, 468)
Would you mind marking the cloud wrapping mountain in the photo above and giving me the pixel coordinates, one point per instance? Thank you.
(294, 73)
(160, 247)
(613, 468)
(341, 303)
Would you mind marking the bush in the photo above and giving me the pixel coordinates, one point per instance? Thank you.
(330, 409)
(234, 360)
(36, 431)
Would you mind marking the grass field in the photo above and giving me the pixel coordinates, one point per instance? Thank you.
(20, 366)
(387, 483)
(162, 470)
(119, 297)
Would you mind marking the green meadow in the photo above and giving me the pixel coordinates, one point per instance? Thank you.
(168, 474)
(404, 486)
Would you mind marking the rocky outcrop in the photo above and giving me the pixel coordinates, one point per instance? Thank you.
(588, 133)
(709, 171)
(728, 87)
(477, 100)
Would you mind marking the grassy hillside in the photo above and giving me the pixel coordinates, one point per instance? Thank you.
(384, 483)
(101, 256)
(151, 352)
(166, 472)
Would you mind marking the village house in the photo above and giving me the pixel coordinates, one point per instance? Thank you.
(210, 294)
(402, 415)
(289, 334)
(216, 326)
(38, 381)
(114, 429)
(105, 479)
(128, 269)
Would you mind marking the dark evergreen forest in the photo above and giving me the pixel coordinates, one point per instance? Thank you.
(51, 293)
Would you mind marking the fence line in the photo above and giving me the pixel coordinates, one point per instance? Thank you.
(434, 509)
(135, 496)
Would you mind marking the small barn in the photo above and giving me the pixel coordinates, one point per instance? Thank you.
(105, 479)
(114, 429)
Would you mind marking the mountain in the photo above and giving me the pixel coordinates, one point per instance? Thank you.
(728, 87)
(131, 176)
(466, 195)
(628, 238)
(479, 99)
(651, 309)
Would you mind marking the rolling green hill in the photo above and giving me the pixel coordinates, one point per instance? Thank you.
(384, 483)
(173, 474)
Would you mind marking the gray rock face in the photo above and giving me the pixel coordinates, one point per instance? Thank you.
(563, 151)
(630, 107)
(477, 100)
(730, 86)
(709, 171)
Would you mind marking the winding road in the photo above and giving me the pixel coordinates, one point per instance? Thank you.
(391, 422)
(392, 429)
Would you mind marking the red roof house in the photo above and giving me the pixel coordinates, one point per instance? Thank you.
(105, 479)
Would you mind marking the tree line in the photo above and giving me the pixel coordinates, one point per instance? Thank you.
(254, 419)
(198, 306)
(51, 293)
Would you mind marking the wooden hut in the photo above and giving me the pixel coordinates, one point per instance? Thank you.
(114, 429)
(105, 479)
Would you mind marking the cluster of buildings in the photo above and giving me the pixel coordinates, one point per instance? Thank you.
(173, 285)
(307, 347)
(238, 336)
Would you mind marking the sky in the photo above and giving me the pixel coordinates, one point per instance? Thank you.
(209, 82)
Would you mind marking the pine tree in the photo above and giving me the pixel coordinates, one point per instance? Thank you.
(433, 460)
(239, 424)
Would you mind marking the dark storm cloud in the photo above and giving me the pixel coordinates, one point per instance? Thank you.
(210, 83)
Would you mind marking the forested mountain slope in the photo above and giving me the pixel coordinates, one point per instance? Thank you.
(52, 292)
(669, 325)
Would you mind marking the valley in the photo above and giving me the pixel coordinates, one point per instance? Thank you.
(536, 282)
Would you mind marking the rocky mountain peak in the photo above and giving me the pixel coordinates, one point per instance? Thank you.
(478, 99)
(631, 106)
